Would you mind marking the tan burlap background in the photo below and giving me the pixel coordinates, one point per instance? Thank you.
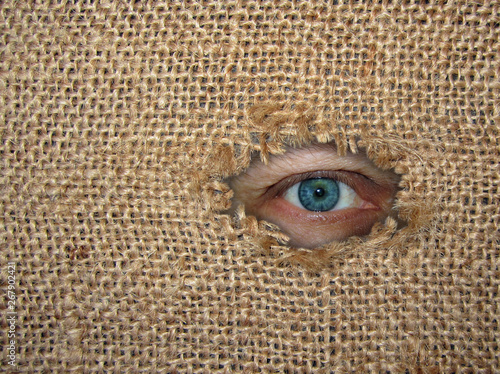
(119, 122)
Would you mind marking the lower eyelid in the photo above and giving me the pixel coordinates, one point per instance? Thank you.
(332, 225)
(282, 206)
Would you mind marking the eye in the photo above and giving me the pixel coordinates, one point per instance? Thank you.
(316, 196)
(321, 195)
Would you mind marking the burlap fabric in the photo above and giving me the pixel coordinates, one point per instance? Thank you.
(120, 121)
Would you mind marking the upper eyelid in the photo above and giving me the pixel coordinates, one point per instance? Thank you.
(285, 165)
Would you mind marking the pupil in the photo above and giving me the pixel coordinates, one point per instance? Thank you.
(319, 192)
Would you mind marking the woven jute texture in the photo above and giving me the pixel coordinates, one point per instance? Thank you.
(120, 122)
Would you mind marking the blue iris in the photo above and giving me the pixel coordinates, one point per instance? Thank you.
(319, 194)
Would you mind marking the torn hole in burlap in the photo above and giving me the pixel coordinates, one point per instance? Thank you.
(273, 127)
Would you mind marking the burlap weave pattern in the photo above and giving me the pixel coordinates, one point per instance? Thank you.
(119, 122)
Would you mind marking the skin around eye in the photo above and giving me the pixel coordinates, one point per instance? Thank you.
(316, 196)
